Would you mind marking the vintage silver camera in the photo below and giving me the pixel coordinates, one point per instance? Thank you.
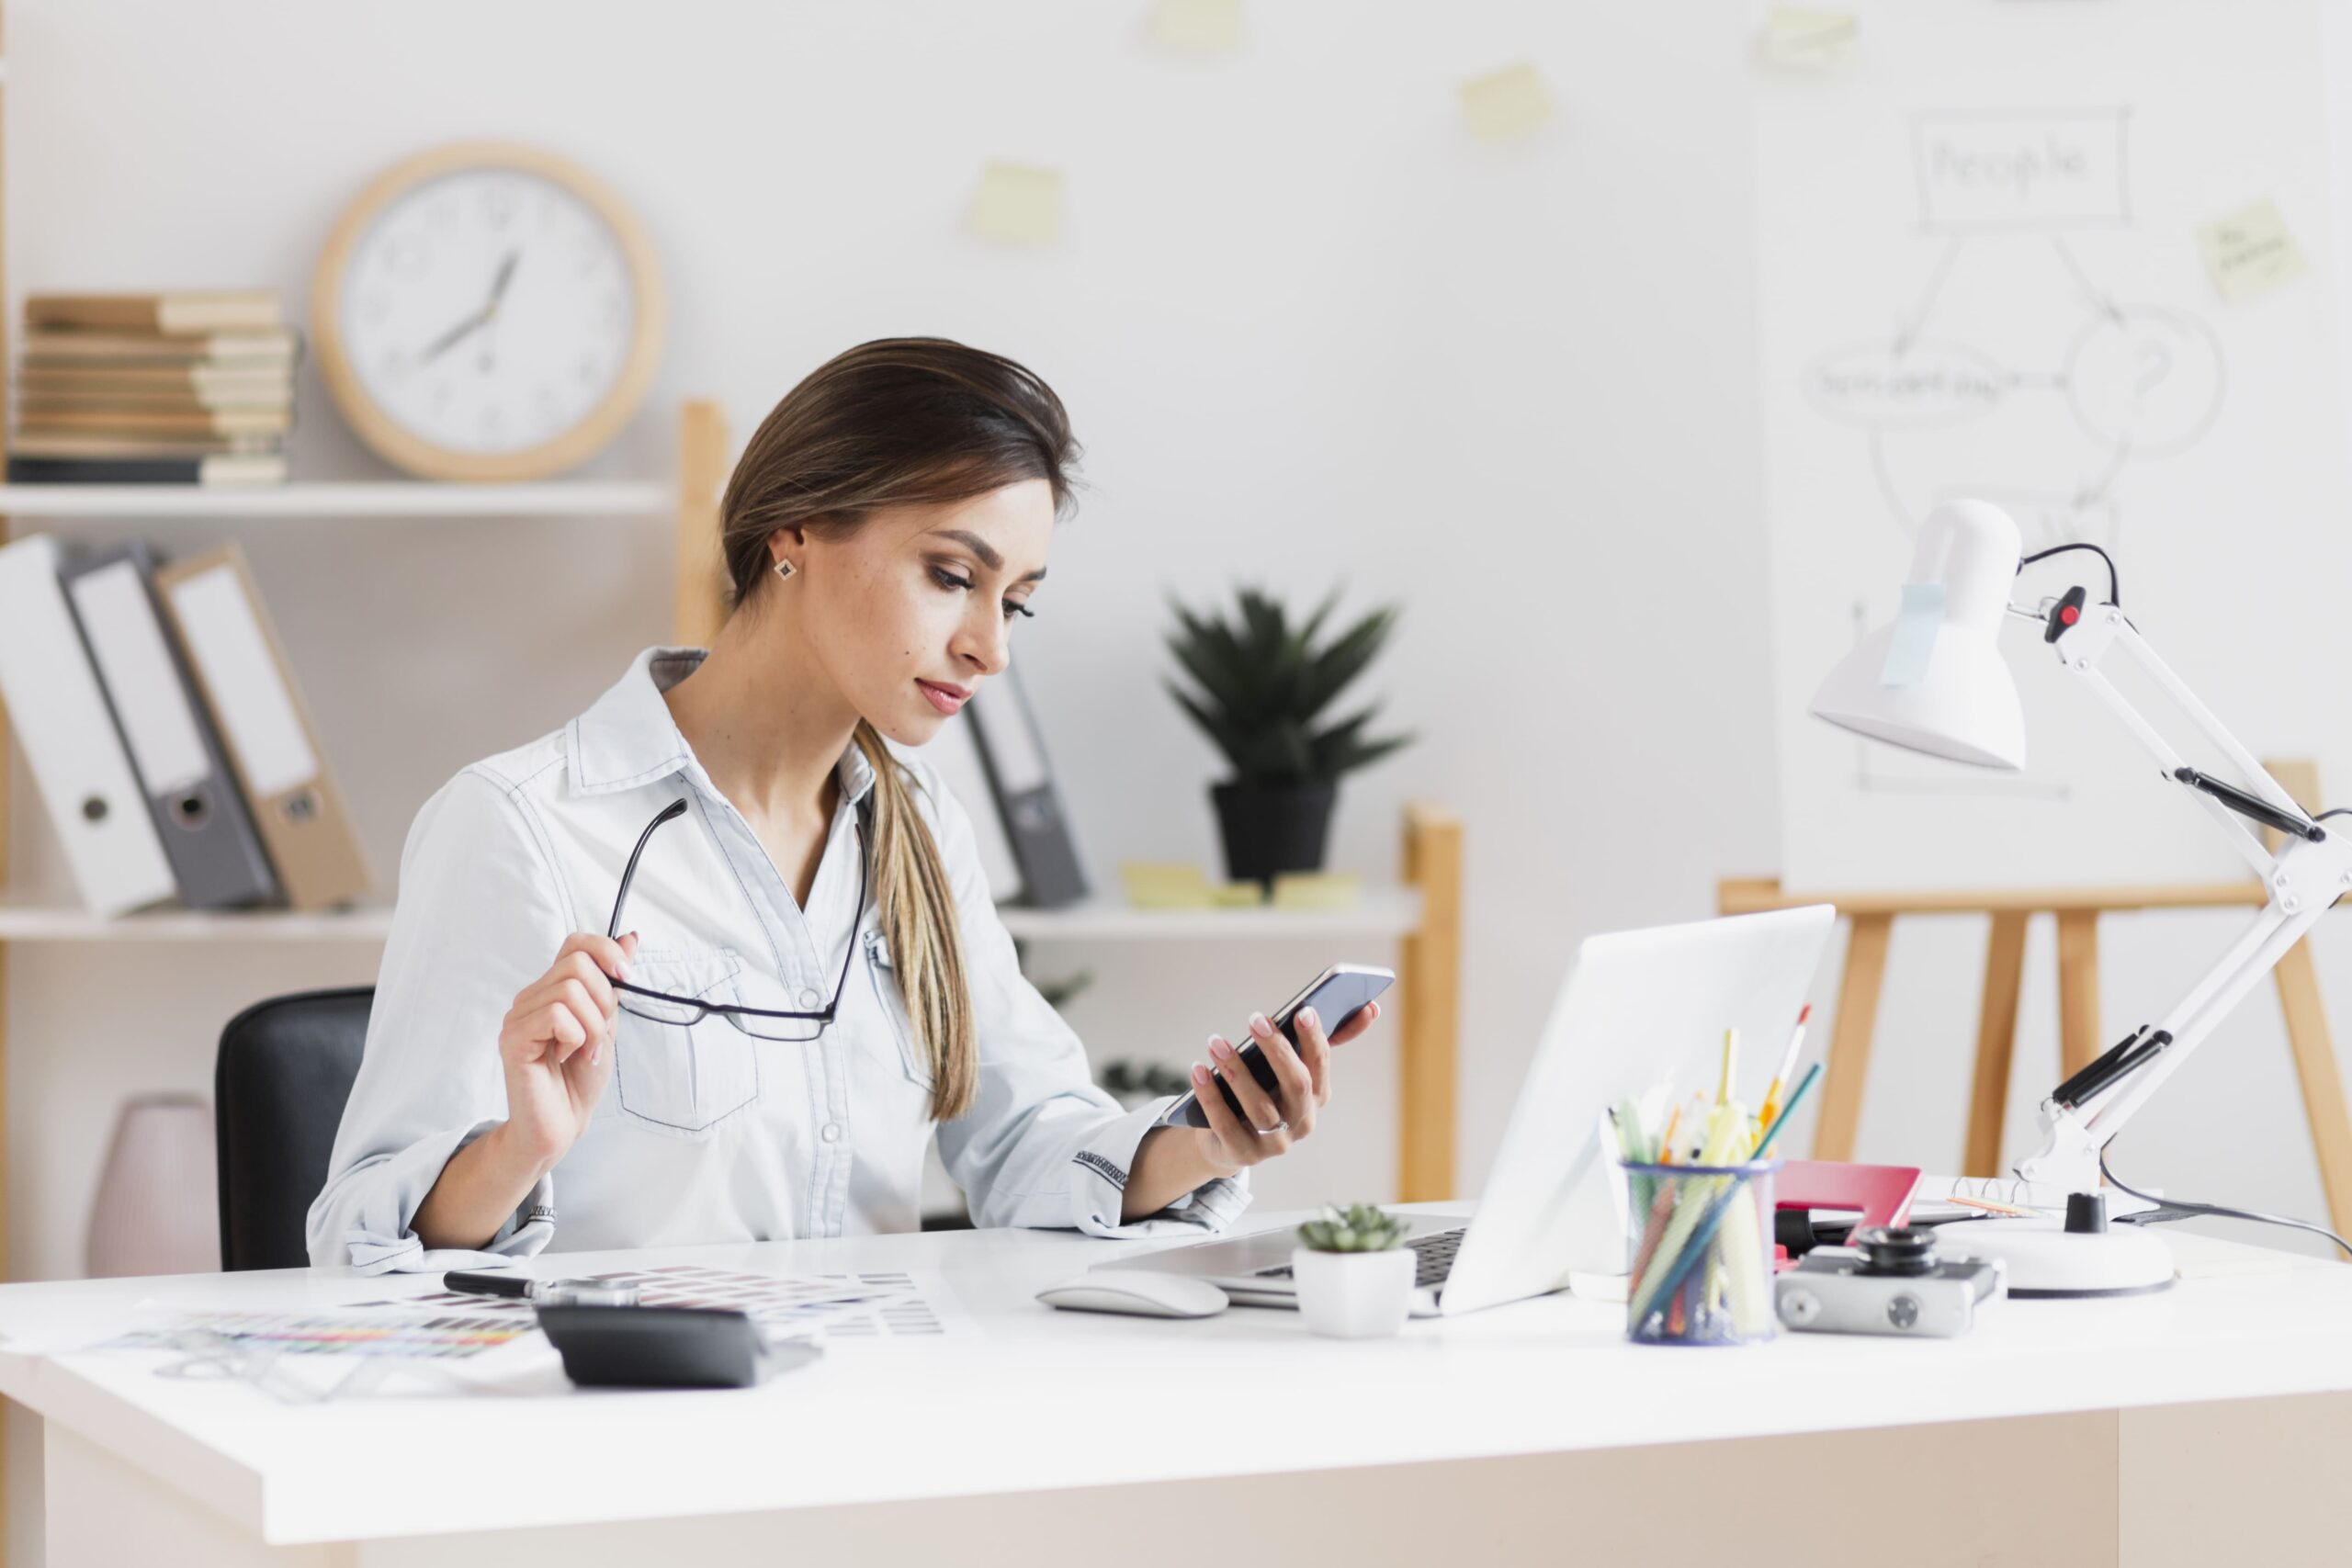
(1887, 1281)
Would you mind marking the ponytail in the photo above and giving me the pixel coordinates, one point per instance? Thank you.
(926, 939)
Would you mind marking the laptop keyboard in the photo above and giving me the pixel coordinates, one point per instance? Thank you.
(1434, 1262)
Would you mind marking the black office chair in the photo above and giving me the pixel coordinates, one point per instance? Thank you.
(278, 1086)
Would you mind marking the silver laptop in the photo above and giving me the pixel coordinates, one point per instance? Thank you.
(1635, 1006)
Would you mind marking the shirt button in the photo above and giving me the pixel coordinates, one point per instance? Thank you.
(831, 1132)
(807, 998)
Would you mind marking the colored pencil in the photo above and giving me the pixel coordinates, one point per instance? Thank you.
(1796, 1097)
(1788, 1065)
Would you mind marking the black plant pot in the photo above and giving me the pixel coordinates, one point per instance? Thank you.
(1270, 828)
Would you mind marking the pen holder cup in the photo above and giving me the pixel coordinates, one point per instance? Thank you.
(1699, 1251)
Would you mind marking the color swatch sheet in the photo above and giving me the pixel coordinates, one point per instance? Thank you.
(342, 1331)
(875, 1305)
(445, 1326)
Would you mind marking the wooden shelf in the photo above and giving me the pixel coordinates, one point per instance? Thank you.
(369, 497)
(1384, 912)
(1387, 912)
(38, 922)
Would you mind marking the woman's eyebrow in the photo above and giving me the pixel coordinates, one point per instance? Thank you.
(986, 552)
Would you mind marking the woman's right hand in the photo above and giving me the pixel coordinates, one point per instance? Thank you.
(557, 1045)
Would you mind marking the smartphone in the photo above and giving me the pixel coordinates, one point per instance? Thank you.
(1337, 995)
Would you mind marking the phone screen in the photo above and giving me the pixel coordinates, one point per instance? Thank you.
(1337, 995)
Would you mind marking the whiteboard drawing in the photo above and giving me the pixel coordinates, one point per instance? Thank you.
(1981, 277)
(2138, 380)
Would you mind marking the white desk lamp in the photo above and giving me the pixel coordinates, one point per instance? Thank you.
(1934, 681)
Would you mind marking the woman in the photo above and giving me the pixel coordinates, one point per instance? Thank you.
(733, 824)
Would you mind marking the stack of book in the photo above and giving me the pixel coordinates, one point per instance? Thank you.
(153, 388)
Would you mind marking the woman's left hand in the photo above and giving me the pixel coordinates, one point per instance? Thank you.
(1270, 1123)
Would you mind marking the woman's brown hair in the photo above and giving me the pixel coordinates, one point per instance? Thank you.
(899, 421)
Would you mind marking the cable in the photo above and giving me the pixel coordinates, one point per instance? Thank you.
(2339, 811)
(2220, 1213)
(2114, 591)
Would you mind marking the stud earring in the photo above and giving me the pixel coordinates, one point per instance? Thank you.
(783, 568)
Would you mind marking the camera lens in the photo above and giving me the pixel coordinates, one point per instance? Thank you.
(1888, 1249)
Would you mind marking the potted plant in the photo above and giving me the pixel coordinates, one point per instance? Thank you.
(1354, 1273)
(1132, 1082)
(1262, 686)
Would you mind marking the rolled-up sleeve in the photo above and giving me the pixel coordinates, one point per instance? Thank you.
(1043, 1145)
(479, 916)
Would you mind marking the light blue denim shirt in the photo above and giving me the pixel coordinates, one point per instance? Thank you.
(705, 1133)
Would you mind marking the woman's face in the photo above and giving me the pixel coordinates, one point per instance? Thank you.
(911, 611)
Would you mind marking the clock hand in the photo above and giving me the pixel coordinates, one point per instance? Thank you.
(449, 339)
(505, 276)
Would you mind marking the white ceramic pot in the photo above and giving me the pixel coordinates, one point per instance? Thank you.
(1355, 1295)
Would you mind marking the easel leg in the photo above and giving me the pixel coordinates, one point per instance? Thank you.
(2078, 1043)
(1996, 1038)
(1850, 1046)
(2307, 1027)
(2323, 1081)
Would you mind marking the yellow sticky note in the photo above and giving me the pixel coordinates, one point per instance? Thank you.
(1237, 895)
(1317, 890)
(1805, 38)
(1197, 27)
(2251, 250)
(1511, 102)
(1162, 884)
(1018, 204)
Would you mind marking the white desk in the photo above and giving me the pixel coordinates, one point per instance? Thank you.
(2059, 1432)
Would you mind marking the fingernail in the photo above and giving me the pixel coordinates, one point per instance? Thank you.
(1257, 1024)
(1307, 1016)
(1220, 1050)
(1200, 1073)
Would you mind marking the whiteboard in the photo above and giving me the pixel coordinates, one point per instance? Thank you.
(1982, 274)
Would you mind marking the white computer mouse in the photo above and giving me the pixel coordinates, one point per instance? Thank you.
(1138, 1293)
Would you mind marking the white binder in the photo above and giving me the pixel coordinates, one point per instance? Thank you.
(1013, 750)
(58, 713)
(956, 756)
(249, 688)
(215, 853)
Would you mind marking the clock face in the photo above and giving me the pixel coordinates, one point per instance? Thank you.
(487, 310)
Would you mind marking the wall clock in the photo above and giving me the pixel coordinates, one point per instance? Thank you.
(487, 311)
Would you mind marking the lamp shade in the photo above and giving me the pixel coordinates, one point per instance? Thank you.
(157, 1210)
(1933, 679)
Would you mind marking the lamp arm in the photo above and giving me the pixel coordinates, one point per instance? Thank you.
(2103, 630)
(2196, 1015)
(2301, 879)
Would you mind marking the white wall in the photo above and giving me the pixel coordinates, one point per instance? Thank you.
(1311, 329)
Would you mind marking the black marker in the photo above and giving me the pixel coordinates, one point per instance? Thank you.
(522, 1287)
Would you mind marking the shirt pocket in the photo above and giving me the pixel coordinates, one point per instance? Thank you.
(913, 1060)
(683, 1080)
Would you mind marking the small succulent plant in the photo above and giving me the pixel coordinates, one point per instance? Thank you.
(1360, 1227)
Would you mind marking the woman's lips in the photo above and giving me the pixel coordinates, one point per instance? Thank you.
(946, 699)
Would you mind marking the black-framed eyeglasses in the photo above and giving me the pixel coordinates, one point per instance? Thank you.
(762, 1023)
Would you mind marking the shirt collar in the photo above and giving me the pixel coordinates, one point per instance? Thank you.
(627, 738)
